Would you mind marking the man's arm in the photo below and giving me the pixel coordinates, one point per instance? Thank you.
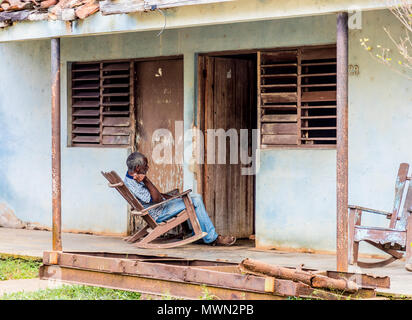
(155, 194)
(166, 196)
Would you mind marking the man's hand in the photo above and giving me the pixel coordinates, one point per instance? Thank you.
(139, 177)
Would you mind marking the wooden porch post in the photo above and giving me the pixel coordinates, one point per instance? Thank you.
(342, 141)
(56, 155)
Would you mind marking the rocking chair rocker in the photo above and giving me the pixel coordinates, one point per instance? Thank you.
(145, 236)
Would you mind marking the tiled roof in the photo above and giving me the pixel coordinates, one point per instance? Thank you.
(18, 10)
(69, 10)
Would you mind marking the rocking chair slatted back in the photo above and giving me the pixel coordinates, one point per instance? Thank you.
(116, 182)
(399, 188)
(407, 207)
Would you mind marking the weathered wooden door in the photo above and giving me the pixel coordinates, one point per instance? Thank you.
(229, 104)
(159, 104)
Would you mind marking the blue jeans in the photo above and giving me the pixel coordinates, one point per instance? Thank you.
(173, 207)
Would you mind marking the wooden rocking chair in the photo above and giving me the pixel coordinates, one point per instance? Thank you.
(144, 237)
(397, 237)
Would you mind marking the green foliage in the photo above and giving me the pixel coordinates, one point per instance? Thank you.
(11, 268)
(206, 295)
(296, 298)
(18, 268)
(74, 293)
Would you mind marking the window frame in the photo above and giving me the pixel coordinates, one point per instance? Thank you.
(70, 102)
(133, 102)
(298, 145)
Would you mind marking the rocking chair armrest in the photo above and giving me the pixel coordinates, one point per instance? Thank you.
(381, 212)
(138, 213)
(173, 192)
(165, 201)
(115, 185)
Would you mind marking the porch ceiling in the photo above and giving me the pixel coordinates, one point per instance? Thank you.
(67, 18)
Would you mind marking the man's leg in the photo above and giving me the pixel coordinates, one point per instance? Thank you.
(176, 206)
(171, 209)
(205, 223)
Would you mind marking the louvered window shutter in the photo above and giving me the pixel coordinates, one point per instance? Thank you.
(102, 95)
(297, 97)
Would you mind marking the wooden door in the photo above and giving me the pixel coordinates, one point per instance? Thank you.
(159, 103)
(229, 103)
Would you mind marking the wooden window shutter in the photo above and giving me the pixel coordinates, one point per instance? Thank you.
(85, 103)
(102, 96)
(278, 97)
(318, 96)
(297, 97)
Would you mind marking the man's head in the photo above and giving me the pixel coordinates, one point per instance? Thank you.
(137, 163)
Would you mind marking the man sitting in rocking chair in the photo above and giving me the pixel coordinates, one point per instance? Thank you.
(147, 193)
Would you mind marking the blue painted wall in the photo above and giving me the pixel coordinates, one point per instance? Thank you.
(25, 144)
(25, 130)
(295, 198)
(295, 188)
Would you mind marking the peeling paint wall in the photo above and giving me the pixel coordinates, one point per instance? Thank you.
(296, 189)
(25, 150)
(87, 203)
(380, 121)
(295, 199)
(25, 142)
(295, 192)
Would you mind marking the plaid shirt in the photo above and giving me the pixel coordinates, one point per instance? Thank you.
(140, 191)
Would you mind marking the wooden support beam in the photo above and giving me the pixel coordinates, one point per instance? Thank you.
(306, 277)
(127, 6)
(342, 141)
(56, 153)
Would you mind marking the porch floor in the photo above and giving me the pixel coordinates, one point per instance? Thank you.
(33, 243)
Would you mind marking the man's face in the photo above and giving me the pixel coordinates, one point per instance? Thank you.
(143, 168)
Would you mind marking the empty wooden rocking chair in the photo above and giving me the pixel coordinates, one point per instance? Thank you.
(397, 237)
(145, 237)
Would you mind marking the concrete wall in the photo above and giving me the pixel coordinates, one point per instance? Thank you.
(295, 188)
(25, 145)
(296, 198)
(87, 203)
